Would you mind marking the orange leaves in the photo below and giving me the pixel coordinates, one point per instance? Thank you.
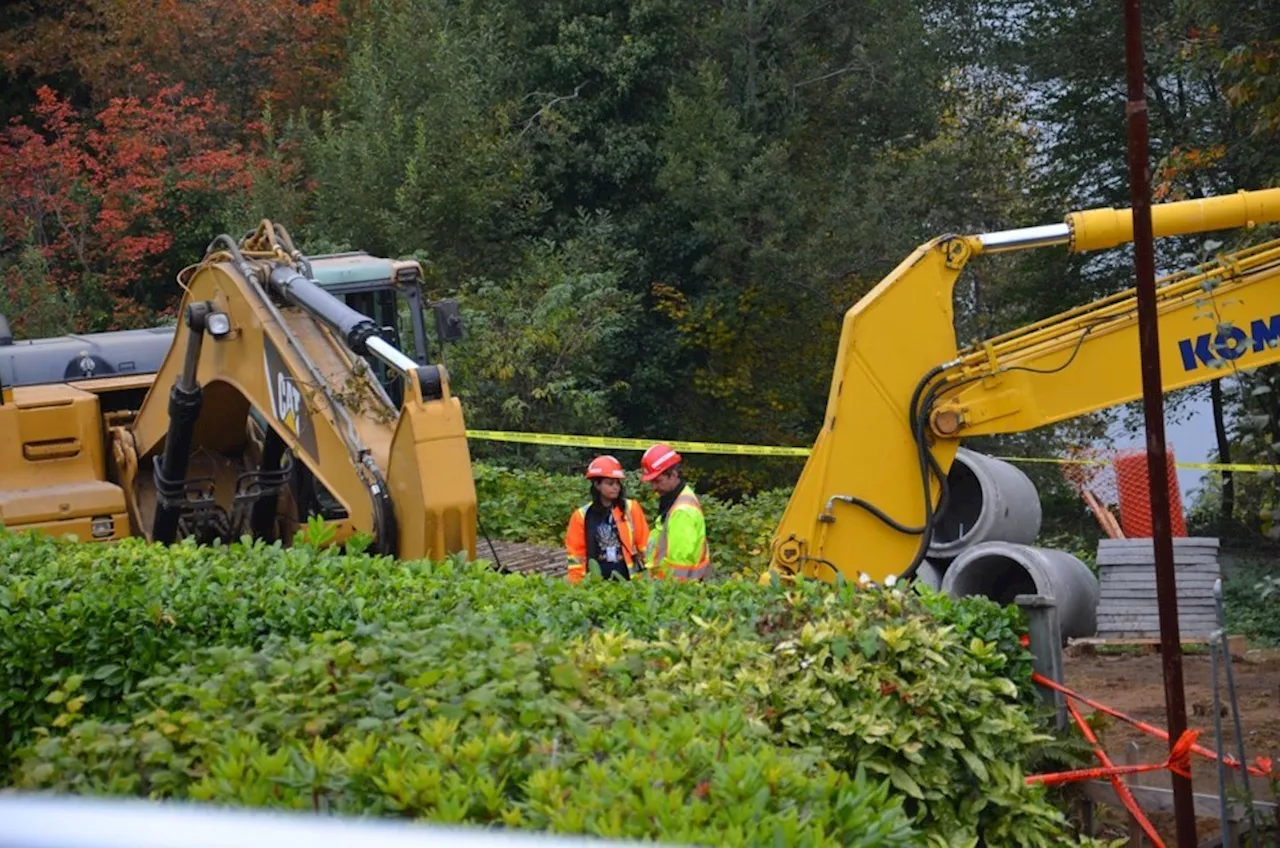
(99, 196)
(1170, 175)
(249, 52)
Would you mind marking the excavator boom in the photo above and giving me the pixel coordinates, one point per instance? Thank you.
(903, 395)
(1212, 319)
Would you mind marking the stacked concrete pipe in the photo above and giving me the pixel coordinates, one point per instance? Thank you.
(1003, 570)
(983, 545)
(991, 500)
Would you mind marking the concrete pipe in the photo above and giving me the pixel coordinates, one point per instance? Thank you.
(991, 501)
(930, 574)
(1002, 570)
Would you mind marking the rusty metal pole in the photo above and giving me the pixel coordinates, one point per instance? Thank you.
(1153, 404)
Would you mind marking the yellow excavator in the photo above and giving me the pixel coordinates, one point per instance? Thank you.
(271, 401)
(883, 486)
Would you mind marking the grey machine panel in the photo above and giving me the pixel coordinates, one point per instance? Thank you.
(62, 359)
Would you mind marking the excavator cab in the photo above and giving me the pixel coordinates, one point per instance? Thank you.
(387, 291)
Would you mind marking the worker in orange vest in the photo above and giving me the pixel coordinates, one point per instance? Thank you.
(678, 547)
(611, 530)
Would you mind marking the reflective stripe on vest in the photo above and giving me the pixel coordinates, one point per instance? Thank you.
(699, 570)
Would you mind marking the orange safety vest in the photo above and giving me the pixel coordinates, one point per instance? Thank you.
(633, 533)
(662, 568)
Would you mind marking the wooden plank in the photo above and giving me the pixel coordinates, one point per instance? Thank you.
(1185, 594)
(1148, 584)
(1201, 572)
(1117, 609)
(1112, 623)
(1236, 644)
(1147, 566)
(1138, 590)
(1120, 630)
(1152, 621)
(1140, 619)
(1151, 551)
(1111, 605)
(1110, 572)
(1156, 799)
(1192, 589)
(1112, 614)
(1147, 604)
(1151, 630)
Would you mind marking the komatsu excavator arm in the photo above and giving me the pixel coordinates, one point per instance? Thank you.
(903, 397)
(264, 412)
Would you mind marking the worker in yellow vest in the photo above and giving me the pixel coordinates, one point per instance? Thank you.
(678, 546)
(611, 530)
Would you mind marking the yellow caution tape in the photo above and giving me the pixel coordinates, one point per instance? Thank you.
(1202, 466)
(564, 440)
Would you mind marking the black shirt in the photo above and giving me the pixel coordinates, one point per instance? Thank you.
(604, 544)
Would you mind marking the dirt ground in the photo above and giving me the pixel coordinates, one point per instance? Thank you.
(1132, 682)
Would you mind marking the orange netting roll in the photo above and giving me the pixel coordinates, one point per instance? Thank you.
(1111, 479)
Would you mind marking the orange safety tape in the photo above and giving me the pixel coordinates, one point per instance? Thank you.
(1143, 726)
(1178, 762)
(1121, 788)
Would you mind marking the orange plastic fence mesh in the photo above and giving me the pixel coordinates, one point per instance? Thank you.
(1117, 479)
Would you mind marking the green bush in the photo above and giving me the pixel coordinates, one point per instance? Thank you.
(114, 612)
(727, 712)
(461, 723)
(1251, 597)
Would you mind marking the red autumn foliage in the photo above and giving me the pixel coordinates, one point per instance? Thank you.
(100, 197)
(247, 52)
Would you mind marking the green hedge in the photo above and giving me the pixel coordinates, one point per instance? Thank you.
(722, 713)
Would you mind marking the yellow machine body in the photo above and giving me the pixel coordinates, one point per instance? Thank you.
(898, 344)
(280, 390)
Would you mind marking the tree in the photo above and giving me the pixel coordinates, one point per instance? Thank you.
(540, 343)
(249, 53)
(100, 199)
(419, 153)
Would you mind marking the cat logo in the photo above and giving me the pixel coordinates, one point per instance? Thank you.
(288, 402)
(288, 406)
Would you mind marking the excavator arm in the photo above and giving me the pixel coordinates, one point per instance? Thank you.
(903, 397)
(265, 412)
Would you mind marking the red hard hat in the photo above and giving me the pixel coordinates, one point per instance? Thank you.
(656, 460)
(605, 466)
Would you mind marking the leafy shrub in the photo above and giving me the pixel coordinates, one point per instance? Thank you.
(1251, 598)
(115, 612)
(253, 674)
(461, 723)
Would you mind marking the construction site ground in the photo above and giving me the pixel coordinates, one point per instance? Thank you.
(1131, 680)
(1127, 678)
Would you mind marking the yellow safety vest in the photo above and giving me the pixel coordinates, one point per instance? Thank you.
(658, 565)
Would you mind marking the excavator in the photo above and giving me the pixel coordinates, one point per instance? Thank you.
(264, 411)
(272, 401)
(888, 481)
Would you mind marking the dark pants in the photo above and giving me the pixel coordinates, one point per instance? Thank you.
(616, 570)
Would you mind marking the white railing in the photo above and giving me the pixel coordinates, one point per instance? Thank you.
(61, 821)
